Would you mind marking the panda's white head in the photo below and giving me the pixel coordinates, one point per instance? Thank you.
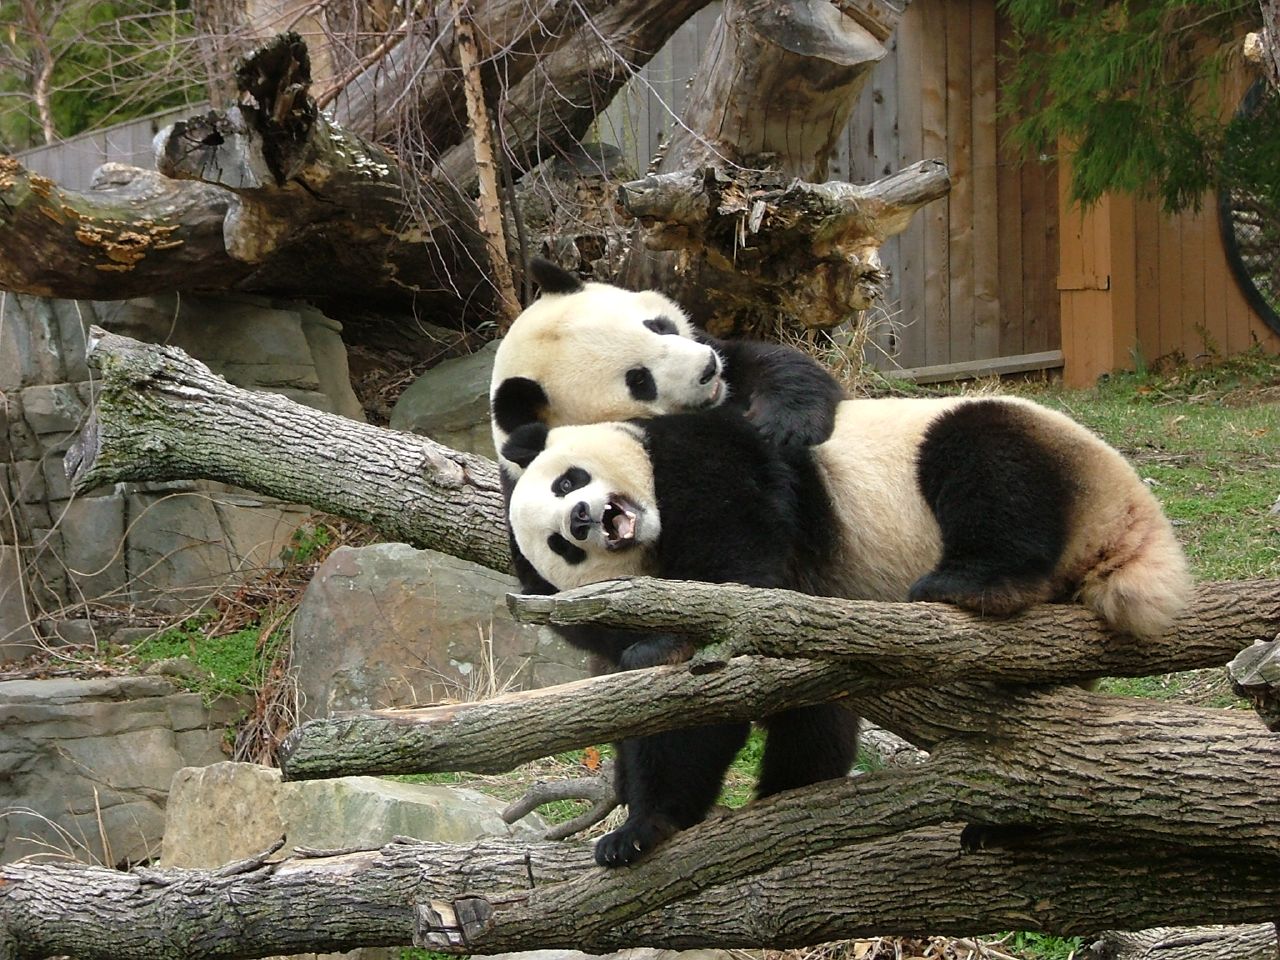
(584, 508)
(591, 353)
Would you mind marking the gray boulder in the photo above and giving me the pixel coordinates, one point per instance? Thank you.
(228, 811)
(85, 765)
(390, 626)
(450, 403)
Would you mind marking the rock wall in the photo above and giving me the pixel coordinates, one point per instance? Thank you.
(71, 567)
(85, 765)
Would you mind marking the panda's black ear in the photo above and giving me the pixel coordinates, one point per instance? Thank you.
(552, 278)
(517, 401)
(525, 443)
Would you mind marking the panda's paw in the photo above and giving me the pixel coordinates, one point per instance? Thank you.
(789, 428)
(632, 840)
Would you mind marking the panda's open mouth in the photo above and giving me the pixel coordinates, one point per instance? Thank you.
(619, 522)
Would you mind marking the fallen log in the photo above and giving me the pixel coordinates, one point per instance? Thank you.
(374, 898)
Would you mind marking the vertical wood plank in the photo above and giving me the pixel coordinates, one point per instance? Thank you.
(986, 243)
(1170, 263)
(909, 319)
(1214, 264)
(959, 92)
(1039, 266)
(1122, 283)
(933, 106)
(1194, 328)
(1009, 214)
(1147, 271)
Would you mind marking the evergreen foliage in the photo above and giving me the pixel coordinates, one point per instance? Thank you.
(1140, 90)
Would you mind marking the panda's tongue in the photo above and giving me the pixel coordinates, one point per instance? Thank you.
(621, 522)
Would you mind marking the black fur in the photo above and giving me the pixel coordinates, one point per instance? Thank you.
(1002, 501)
(789, 397)
(755, 522)
(641, 384)
(756, 533)
(516, 402)
(552, 278)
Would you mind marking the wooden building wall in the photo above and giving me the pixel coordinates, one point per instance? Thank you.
(975, 273)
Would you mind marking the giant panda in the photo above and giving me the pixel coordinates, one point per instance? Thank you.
(584, 353)
(990, 503)
(593, 352)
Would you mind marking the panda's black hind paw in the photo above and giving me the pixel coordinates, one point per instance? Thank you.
(632, 840)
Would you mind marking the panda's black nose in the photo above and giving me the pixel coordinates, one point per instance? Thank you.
(580, 521)
(711, 369)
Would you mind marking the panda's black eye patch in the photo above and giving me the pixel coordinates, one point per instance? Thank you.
(575, 478)
(566, 550)
(641, 384)
(663, 325)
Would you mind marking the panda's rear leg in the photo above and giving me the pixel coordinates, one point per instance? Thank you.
(807, 745)
(668, 781)
(1002, 502)
(982, 591)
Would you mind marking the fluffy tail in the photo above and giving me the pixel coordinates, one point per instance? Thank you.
(1145, 593)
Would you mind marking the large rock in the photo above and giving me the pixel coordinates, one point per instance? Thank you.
(390, 626)
(85, 765)
(450, 403)
(229, 811)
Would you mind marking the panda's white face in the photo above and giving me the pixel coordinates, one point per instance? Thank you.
(584, 510)
(600, 354)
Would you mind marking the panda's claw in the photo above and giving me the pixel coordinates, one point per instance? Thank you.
(632, 840)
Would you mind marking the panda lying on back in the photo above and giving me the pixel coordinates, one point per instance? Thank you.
(586, 353)
(993, 504)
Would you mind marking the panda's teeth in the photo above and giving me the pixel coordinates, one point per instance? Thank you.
(619, 522)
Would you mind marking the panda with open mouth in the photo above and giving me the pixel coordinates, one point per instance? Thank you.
(586, 353)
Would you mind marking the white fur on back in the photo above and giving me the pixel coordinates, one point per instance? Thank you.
(1121, 557)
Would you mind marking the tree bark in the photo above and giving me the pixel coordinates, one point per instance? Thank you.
(162, 415)
(919, 881)
(821, 242)
(776, 86)
(1253, 942)
(1255, 675)
(835, 648)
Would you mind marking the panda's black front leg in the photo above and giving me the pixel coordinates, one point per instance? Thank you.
(667, 780)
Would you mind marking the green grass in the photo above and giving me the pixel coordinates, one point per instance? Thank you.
(230, 664)
(1040, 946)
(1208, 442)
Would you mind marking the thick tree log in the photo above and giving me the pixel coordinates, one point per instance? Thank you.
(486, 737)
(161, 415)
(740, 679)
(1252, 942)
(1068, 759)
(1255, 675)
(131, 234)
(288, 205)
(819, 242)
(775, 87)
(919, 881)
(931, 643)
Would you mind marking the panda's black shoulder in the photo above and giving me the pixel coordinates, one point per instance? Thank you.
(787, 395)
(734, 507)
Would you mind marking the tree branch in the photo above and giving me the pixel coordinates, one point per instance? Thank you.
(914, 643)
(916, 881)
(161, 415)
